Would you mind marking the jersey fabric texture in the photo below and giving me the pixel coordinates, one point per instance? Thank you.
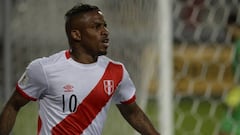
(74, 98)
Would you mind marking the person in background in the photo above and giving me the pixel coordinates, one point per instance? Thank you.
(230, 124)
(75, 87)
(234, 31)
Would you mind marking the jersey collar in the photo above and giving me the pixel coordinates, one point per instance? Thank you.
(67, 54)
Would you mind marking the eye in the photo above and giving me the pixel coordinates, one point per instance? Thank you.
(105, 25)
(97, 26)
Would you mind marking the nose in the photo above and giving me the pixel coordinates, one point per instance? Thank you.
(105, 31)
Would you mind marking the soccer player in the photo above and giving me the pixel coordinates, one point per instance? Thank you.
(75, 87)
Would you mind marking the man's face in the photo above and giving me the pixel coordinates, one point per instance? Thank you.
(93, 33)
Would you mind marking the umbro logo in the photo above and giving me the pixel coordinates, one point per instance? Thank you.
(68, 88)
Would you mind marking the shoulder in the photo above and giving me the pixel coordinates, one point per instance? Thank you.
(46, 61)
(107, 60)
(114, 66)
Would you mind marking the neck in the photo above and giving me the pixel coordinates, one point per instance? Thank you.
(83, 57)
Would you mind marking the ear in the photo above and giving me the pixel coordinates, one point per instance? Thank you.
(76, 35)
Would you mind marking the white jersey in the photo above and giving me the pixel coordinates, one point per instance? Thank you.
(73, 97)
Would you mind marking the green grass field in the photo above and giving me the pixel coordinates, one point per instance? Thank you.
(26, 123)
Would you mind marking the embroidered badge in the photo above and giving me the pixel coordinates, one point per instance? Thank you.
(68, 88)
(108, 86)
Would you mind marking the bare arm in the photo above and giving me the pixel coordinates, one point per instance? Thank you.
(9, 113)
(137, 119)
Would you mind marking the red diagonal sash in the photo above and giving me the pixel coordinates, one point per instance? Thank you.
(75, 123)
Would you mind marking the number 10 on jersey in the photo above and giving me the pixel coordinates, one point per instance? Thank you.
(70, 104)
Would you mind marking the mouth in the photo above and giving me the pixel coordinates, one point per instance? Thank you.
(105, 41)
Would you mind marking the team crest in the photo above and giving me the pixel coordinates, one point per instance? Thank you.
(108, 86)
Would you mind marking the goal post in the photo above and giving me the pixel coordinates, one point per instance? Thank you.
(7, 64)
(166, 82)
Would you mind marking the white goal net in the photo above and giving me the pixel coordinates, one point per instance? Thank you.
(202, 54)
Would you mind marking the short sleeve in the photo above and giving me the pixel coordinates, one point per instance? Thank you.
(33, 81)
(125, 93)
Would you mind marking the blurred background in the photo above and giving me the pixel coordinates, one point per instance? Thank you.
(203, 54)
